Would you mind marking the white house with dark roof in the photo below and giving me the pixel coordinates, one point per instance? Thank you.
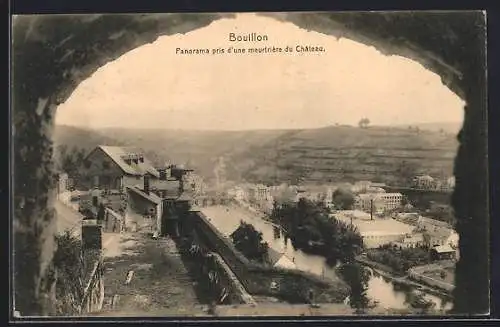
(279, 260)
(144, 210)
(114, 168)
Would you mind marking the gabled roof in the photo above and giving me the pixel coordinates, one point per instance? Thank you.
(117, 154)
(433, 222)
(184, 197)
(151, 197)
(424, 177)
(443, 249)
(273, 256)
(441, 233)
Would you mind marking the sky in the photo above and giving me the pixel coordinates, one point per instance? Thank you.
(153, 87)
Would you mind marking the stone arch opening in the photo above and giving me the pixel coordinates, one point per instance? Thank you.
(49, 62)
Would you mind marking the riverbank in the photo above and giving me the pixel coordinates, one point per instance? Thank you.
(396, 278)
(214, 224)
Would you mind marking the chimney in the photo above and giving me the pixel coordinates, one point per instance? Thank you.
(163, 174)
(146, 184)
(181, 184)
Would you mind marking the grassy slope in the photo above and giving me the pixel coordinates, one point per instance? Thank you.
(330, 153)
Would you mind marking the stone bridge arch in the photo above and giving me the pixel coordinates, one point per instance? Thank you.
(51, 55)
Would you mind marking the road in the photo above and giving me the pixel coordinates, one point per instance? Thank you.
(160, 284)
(67, 218)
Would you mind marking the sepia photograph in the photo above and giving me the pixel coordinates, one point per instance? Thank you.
(274, 164)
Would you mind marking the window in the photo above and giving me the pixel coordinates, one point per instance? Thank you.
(105, 165)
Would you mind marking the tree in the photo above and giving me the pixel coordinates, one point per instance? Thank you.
(406, 171)
(343, 199)
(357, 278)
(363, 123)
(417, 301)
(69, 160)
(307, 221)
(249, 242)
(293, 290)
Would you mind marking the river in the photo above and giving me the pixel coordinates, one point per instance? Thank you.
(227, 218)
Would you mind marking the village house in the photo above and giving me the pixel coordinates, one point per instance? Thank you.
(410, 241)
(442, 236)
(374, 239)
(279, 260)
(378, 203)
(450, 183)
(260, 193)
(360, 186)
(424, 182)
(375, 232)
(144, 210)
(238, 193)
(443, 252)
(390, 201)
(124, 181)
(410, 218)
(114, 168)
(429, 224)
(314, 196)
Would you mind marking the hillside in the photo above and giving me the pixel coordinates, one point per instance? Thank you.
(339, 153)
(87, 139)
(350, 154)
(445, 127)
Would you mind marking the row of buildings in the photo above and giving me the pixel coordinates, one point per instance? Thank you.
(426, 182)
(129, 186)
(403, 231)
(368, 196)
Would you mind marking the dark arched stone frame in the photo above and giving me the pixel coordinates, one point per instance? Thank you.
(51, 55)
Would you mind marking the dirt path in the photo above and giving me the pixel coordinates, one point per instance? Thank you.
(159, 284)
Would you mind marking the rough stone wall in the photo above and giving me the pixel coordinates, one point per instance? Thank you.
(53, 54)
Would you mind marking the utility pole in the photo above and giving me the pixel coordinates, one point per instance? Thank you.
(371, 209)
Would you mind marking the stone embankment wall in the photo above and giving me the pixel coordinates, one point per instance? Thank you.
(418, 274)
(257, 279)
(236, 290)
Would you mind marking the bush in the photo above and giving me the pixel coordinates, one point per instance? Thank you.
(357, 278)
(248, 241)
(400, 260)
(68, 262)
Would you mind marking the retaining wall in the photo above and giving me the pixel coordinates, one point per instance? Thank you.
(417, 274)
(256, 278)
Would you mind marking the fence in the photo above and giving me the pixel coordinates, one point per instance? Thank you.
(113, 221)
(93, 293)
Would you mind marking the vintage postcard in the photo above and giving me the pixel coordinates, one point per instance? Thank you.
(249, 164)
